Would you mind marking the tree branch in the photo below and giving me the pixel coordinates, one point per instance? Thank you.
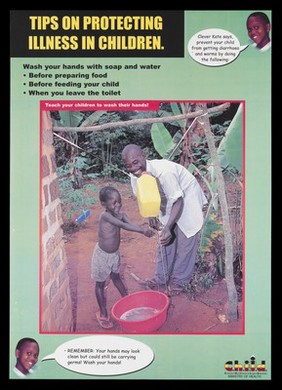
(190, 115)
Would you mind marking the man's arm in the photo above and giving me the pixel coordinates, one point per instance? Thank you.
(175, 214)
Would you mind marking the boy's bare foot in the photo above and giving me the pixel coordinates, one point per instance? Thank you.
(104, 322)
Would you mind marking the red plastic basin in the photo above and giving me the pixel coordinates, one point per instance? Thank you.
(148, 299)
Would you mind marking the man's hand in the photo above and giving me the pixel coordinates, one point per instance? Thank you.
(165, 236)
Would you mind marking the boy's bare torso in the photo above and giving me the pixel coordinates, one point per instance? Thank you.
(109, 234)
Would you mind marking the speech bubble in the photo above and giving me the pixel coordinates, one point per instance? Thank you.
(102, 355)
(214, 47)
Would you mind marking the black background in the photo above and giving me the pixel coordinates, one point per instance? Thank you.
(172, 34)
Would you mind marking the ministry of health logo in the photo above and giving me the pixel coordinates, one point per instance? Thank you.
(250, 366)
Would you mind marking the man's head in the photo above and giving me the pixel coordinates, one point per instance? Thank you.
(134, 159)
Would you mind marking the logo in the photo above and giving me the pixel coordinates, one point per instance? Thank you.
(246, 368)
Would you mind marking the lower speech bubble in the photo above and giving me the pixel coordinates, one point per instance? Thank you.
(214, 47)
(103, 355)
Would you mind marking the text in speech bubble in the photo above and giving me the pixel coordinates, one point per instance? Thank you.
(214, 47)
(103, 355)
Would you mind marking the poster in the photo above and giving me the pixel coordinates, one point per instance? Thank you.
(168, 74)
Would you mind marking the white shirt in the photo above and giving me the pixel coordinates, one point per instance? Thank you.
(177, 182)
(19, 373)
(264, 48)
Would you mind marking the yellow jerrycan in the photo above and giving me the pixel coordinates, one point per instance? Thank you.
(148, 196)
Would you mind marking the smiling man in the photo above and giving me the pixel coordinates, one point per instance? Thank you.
(181, 216)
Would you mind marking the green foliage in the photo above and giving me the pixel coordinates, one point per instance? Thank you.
(94, 118)
(212, 231)
(175, 149)
(176, 110)
(70, 118)
(200, 153)
(75, 201)
(230, 148)
(166, 146)
(173, 109)
(162, 139)
(81, 163)
(103, 149)
(205, 281)
(164, 143)
(101, 155)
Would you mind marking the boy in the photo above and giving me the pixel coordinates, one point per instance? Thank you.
(258, 26)
(106, 257)
(27, 351)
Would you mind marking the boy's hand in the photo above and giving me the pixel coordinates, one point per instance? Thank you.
(154, 223)
(148, 232)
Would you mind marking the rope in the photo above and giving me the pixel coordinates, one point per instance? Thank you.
(162, 258)
(181, 139)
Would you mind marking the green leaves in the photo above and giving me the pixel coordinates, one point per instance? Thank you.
(161, 138)
(230, 148)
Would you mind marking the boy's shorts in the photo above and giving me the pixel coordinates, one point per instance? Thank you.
(103, 263)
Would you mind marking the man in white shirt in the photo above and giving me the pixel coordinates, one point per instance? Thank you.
(181, 214)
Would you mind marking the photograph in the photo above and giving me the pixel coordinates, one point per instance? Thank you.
(158, 178)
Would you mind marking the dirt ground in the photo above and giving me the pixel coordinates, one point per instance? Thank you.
(206, 314)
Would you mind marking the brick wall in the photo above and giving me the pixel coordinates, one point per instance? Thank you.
(56, 304)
